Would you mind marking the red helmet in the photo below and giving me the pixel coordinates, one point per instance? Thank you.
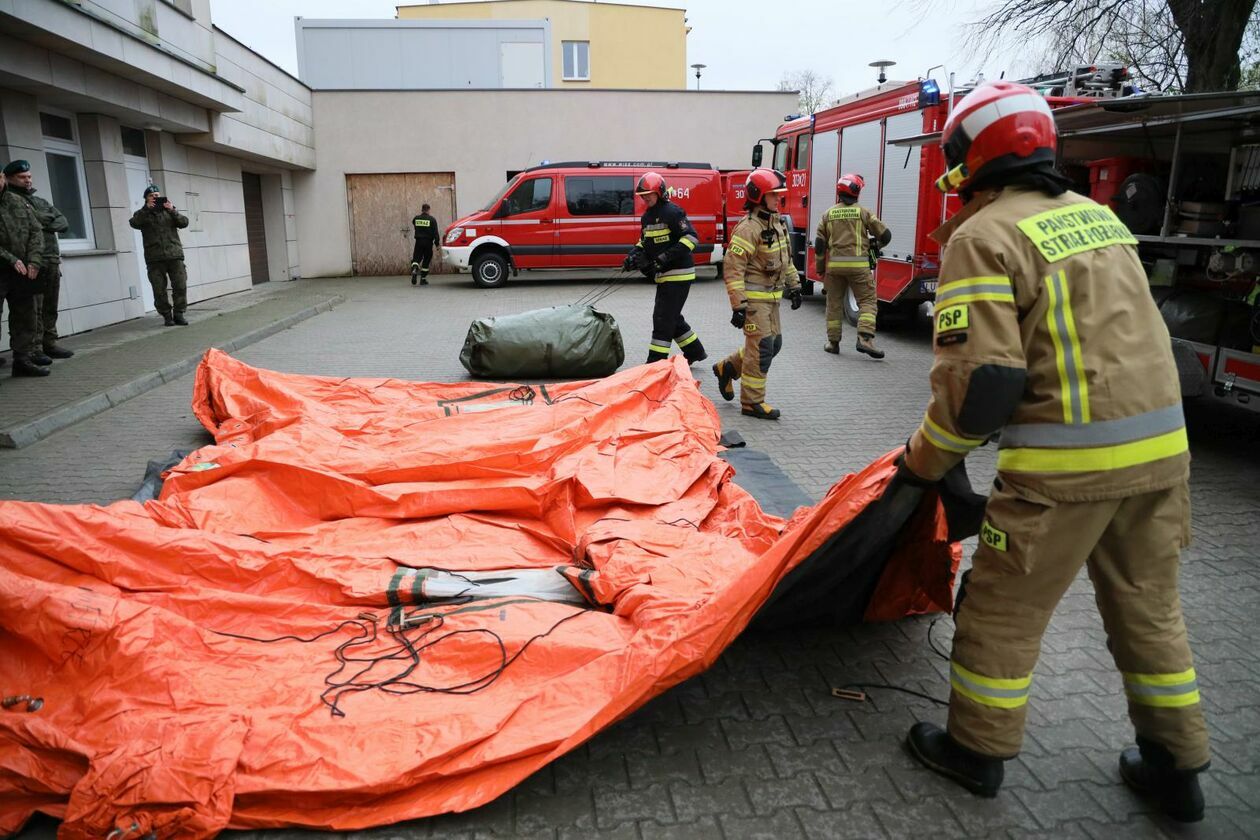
(999, 126)
(850, 184)
(762, 182)
(651, 183)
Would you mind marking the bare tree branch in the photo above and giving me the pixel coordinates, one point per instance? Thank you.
(814, 88)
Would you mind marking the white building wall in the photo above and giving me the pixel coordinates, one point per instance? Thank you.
(481, 135)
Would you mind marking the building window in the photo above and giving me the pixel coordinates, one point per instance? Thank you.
(67, 185)
(184, 6)
(133, 142)
(600, 195)
(577, 61)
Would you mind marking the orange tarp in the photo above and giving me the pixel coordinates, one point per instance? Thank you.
(229, 655)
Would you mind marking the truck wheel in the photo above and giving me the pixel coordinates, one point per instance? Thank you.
(489, 270)
(850, 307)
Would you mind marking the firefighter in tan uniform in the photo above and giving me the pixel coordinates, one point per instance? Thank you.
(758, 271)
(842, 257)
(1046, 333)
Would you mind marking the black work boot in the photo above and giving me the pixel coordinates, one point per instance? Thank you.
(179, 320)
(935, 750)
(761, 410)
(866, 344)
(56, 351)
(168, 320)
(725, 373)
(1151, 771)
(23, 366)
(415, 272)
(41, 359)
(424, 278)
(832, 347)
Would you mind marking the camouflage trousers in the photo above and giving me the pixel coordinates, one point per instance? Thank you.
(160, 271)
(17, 291)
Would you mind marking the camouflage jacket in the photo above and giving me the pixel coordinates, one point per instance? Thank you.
(21, 237)
(51, 220)
(160, 230)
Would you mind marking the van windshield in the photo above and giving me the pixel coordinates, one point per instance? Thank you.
(494, 202)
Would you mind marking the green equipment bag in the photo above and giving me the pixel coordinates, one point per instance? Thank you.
(562, 342)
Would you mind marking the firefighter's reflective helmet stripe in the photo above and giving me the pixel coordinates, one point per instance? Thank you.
(1094, 459)
(990, 691)
(1162, 690)
(677, 274)
(1067, 350)
(974, 289)
(751, 295)
(686, 339)
(1151, 424)
(939, 437)
(989, 113)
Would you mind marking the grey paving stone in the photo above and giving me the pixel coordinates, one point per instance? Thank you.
(779, 826)
(614, 807)
(769, 795)
(705, 828)
(856, 823)
(691, 802)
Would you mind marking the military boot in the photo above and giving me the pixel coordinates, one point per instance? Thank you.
(23, 366)
(179, 320)
(935, 750)
(866, 344)
(725, 373)
(832, 347)
(41, 359)
(56, 351)
(762, 411)
(168, 320)
(1151, 771)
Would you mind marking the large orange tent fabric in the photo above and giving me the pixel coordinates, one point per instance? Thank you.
(268, 644)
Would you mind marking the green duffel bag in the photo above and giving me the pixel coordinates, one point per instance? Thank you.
(562, 342)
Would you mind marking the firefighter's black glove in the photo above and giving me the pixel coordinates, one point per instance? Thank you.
(738, 317)
(794, 295)
(631, 262)
(658, 265)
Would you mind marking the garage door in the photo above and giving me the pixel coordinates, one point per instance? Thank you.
(381, 208)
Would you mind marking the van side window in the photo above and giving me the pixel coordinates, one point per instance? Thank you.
(781, 154)
(600, 195)
(534, 194)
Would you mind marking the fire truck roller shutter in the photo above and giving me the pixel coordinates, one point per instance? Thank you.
(900, 204)
(822, 177)
(860, 148)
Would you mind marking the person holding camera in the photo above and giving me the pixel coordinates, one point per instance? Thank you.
(159, 224)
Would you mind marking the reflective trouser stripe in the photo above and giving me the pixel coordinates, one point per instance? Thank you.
(687, 339)
(990, 691)
(833, 323)
(1067, 350)
(656, 347)
(1162, 690)
(948, 441)
(753, 381)
(965, 291)
(1094, 459)
(846, 262)
(676, 275)
(866, 318)
(763, 295)
(1098, 433)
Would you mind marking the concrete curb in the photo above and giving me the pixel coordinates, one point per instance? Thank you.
(64, 416)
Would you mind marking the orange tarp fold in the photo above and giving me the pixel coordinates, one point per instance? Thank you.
(372, 600)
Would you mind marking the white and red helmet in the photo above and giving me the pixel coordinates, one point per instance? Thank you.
(850, 185)
(761, 182)
(999, 126)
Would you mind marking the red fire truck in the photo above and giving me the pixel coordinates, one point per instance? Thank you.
(855, 134)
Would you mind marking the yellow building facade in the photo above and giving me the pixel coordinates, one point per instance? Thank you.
(594, 45)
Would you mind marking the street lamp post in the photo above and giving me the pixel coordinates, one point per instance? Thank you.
(698, 68)
(882, 64)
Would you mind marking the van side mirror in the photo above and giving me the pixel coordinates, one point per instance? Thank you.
(756, 156)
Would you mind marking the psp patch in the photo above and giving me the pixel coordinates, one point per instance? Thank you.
(737, 250)
(1067, 231)
(952, 318)
(994, 538)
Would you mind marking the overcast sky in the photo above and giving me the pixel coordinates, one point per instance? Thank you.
(747, 45)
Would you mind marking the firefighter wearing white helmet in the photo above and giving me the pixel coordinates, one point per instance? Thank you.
(843, 246)
(758, 272)
(1046, 334)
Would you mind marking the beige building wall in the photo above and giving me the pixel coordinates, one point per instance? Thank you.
(616, 32)
(482, 135)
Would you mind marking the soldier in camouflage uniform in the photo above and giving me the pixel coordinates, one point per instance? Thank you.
(159, 224)
(52, 222)
(21, 257)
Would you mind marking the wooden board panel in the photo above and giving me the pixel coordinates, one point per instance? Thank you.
(381, 209)
(255, 232)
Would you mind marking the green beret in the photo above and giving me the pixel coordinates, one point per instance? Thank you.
(17, 166)
(149, 190)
